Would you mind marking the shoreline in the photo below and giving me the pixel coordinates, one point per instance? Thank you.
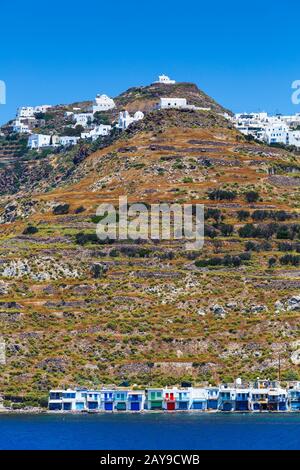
(46, 412)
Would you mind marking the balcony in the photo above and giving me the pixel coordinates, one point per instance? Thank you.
(169, 399)
(279, 399)
(136, 397)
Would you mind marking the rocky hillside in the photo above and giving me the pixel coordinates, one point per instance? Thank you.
(75, 311)
(144, 98)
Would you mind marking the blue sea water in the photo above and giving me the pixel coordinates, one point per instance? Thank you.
(150, 432)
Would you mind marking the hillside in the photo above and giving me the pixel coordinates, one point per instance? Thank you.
(21, 168)
(74, 311)
(144, 98)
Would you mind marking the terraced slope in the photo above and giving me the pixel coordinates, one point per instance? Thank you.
(74, 311)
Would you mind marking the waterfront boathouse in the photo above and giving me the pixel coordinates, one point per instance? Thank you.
(260, 396)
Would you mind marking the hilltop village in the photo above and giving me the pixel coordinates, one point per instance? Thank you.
(274, 130)
(85, 122)
(88, 123)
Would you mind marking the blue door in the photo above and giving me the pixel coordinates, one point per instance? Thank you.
(241, 406)
(135, 406)
(80, 406)
(183, 405)
(227, 407)
(67, 406)
(55, 406)
(108, 406)
(93, 405)
(197, 405)
(212, 404)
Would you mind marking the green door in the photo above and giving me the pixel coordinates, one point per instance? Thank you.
(121, 406)
(156, 405)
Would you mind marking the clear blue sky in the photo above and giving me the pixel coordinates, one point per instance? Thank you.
(244, 54)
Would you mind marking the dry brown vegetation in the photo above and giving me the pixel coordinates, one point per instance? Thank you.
(148, 316)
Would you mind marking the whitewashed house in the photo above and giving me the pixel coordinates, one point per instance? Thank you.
(68, 140)
(293, 120)
(97, 131)
(278, 129)
(83, 119)
(42, 108)
(198, 399)
(276, 134)
(37, 141)
(25, 112)
(165, 80)
(294, 138)
(21, 127)
(30, 111)
(167, 103)
(227, 398)
(67, 400)
(178, 103)
(103, 103)
(125, 119)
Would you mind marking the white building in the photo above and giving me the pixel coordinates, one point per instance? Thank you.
(25, 112)
(68, 140)
(30, 111)
(198, 398)
(98, 131)
(42, 108)
(103, 103)
(69, 400)
(165, 80)
(25, 119)
(276, 134)
(178, 103)
(166, 103)
(125, 119)
(276, 129)
(83, 119)
(293, 120)
(21, 127)
(294, 138)
(37, 141)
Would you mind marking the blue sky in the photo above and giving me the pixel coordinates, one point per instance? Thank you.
(244, 54)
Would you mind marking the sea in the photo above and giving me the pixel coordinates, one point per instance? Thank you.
(152, 431)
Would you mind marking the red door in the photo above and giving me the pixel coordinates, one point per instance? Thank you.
(171, 406)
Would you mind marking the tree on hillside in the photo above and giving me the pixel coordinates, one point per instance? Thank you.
(101, 118)
(73, 132)
(252, 196)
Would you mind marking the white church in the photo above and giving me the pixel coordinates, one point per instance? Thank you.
(125, 119)
(165, 80)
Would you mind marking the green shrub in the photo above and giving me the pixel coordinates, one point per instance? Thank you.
(61, 209)
(30, 230)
